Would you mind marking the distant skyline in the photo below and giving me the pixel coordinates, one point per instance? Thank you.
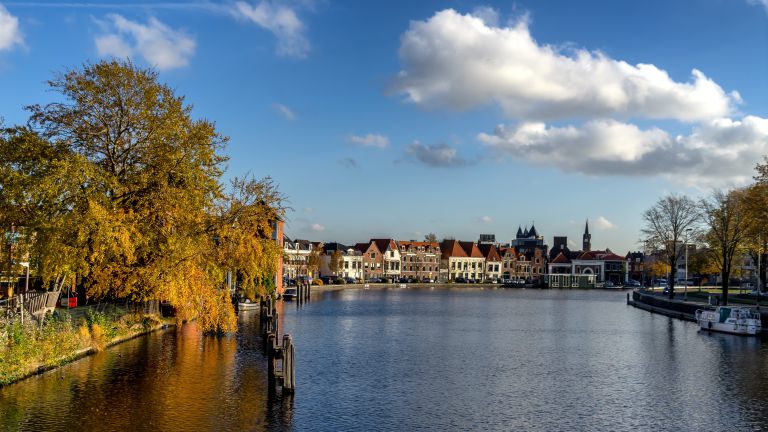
(455, 117)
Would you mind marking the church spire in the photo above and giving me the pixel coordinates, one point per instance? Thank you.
(586, 243)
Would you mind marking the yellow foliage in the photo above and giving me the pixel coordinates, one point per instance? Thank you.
(98, 339)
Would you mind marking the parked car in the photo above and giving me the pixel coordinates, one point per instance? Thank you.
(374, 280)
(631, 283)
(403, 280)
(426, 280)
(461, 280)
(350, 280)
(328, 279)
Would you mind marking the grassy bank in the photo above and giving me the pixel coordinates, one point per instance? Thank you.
(26, 349)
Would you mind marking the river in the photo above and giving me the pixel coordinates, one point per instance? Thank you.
(418, 359)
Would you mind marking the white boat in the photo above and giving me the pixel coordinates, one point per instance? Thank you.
(290, 293)
(247, 304)
(730, 319)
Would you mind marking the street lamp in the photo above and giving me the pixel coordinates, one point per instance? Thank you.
(685, 290)
(26, 284)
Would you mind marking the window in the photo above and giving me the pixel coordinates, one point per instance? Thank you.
(373, 255)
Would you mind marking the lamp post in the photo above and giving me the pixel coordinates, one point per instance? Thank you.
(26, 284)
(685, 291)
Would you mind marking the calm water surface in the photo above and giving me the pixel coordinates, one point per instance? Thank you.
(419, 359)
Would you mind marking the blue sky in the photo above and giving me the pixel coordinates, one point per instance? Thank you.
(453, 117)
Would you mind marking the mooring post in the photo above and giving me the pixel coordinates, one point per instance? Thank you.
(289, 365)
(21, 304)
(271, 372)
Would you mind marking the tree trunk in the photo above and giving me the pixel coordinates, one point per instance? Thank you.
(725, 275)
(671, 278)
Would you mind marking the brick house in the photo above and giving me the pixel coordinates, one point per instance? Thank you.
(419, 260)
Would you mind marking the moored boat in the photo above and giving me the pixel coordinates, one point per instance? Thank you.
(730, 319)
(290, 294)
(247, 304)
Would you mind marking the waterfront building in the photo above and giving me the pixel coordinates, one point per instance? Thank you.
(604, 265)
(296, 257)
(462, 260)
(508, 263)
(350, 261)
(419, 260)
(493, 261)
(373, 260)
(636, 266)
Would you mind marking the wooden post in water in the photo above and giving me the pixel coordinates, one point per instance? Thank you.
(289, 365)
(271, 371)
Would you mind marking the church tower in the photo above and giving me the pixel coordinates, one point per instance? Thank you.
(587, 239)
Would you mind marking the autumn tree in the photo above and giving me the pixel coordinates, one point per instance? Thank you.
(666, 223)
(120, 186)
(313, 260)
(335, 263)
(727, 226)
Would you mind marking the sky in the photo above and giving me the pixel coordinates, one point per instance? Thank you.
(399, 118)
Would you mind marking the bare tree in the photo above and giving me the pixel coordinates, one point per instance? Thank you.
(431, 238)
(727, 220)
(665, 225)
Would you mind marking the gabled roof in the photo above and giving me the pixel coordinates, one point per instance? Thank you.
(589, 255)
(470, 248)
(331, 247)
(613, 257)
(519, 232)
(452, 248)
(364, 247)
(561, 259)
(384, 244)
(490, 252)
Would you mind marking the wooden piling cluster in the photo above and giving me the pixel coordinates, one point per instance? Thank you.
(303, 292)
(283, 354)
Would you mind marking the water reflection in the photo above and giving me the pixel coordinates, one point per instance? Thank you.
(402, 359)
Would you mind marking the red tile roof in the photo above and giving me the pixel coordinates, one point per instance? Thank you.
(490, 252)
(452, 248)
(470, 248)
(561, 259)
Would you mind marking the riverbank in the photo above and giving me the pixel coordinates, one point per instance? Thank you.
(676, 308)
(28, 349)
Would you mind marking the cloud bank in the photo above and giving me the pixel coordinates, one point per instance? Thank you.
(719, 152)
(460, 62)
(158, 44)
(438, 155)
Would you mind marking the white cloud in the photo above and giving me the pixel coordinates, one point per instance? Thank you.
(157, 43)
(316, 227)
(486, 219)
(602, 223)
(284, 111)
(10, 34)
(308, 209)
(437, 155)
(281, 21)
(720, 152)
(370, 140)
(461, 61)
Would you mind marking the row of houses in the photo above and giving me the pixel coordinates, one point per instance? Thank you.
(526, 258)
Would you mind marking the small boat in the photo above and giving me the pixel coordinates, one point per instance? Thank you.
(247, 304)
(730, 319)
(290, 294)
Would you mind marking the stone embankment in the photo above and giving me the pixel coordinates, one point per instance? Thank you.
(685, 310)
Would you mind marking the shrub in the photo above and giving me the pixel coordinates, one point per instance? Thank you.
(339, 281)
(317, 282)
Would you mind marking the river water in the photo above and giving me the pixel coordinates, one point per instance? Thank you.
(418, 359)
